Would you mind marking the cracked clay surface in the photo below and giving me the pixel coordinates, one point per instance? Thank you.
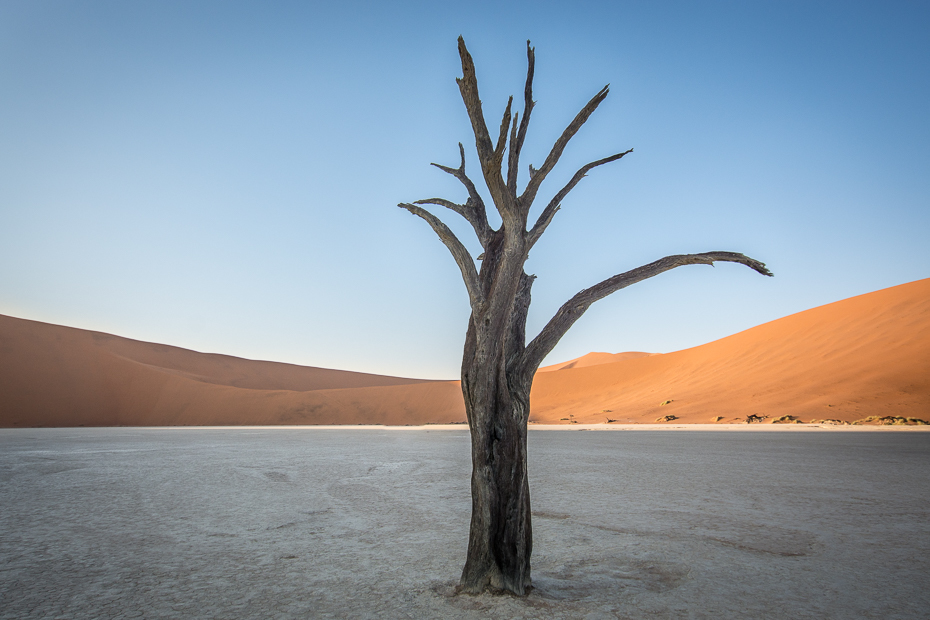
(310, 523)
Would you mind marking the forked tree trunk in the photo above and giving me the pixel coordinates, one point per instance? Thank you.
(498, 366)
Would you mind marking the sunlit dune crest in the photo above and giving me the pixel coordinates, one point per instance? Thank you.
(594, 359)
(864, 356)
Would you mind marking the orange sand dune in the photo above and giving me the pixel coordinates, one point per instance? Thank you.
(595, 359)
(864, 356)
(60, 376)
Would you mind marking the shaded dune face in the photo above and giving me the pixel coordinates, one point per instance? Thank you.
(60, 376)
(864, 356)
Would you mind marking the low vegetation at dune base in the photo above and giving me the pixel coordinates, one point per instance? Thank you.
(871, 420)
(890, 420)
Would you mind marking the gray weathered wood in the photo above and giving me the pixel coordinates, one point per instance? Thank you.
(549, 212)
(497, 364)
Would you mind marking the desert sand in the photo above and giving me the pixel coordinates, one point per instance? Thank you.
(864, 356)
(594, 359)
(60, 376)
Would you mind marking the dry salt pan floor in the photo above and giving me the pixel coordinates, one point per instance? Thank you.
(309, 523)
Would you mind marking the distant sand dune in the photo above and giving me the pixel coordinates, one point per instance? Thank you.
(864, 356)
(60, 376)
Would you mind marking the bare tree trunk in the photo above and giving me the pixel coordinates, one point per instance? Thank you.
(498, 365)
(500, 539)
(497, 405)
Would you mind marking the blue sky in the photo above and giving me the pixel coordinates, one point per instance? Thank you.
(223, 176)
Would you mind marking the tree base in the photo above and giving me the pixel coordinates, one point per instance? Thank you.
(489, 589)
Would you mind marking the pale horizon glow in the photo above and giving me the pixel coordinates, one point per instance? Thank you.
(222, 176)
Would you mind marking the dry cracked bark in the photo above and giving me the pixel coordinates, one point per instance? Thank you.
(497, 365)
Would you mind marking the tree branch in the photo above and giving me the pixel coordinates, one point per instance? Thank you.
(462, 258)
(512, 177)
(489, 157)
(468, 86)
(442, 202)
(572, 310)
(516, 144)
(549, 212)
(473, 210)
(502, 138)
(538, 176)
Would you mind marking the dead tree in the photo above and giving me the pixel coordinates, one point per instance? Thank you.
(498, 366)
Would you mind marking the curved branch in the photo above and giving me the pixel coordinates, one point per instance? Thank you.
(473, 210)
(442, 202)
(462, 258)
(549, 212)
(466, 210)
(572, 310)
(516, 143)
(538, 176)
